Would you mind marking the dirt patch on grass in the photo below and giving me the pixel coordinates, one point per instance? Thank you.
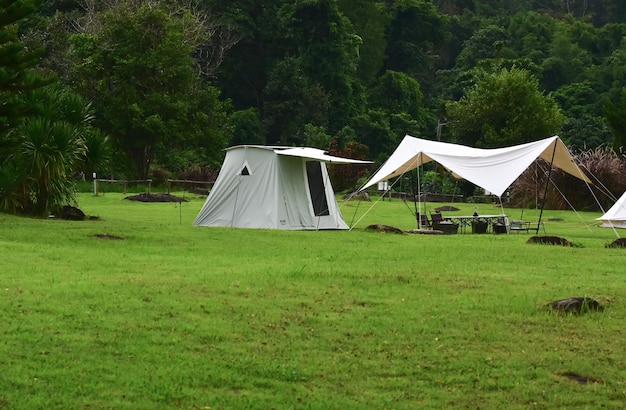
(384, 229)
(158, 197)
(447, 208)
(551, 240)
(108, 236)
(576, 305)
(618, 243)
(580, 378)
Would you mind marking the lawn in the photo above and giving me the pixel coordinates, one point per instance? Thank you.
(175, 316)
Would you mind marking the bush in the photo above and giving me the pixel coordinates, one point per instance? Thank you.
(345, 176)
(605, 168)
(205, 173)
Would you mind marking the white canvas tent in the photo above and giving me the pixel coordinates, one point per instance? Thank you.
(274, 188)
(492, 169)
(616, 216)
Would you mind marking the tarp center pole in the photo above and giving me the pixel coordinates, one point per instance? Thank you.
(419, 191)
(545, 192)
(415, 208)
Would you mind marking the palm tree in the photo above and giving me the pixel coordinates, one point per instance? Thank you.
(50, 147)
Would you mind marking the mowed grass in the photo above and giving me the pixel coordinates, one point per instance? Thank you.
(175, 316)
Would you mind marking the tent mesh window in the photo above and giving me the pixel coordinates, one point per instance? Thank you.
(316, 188)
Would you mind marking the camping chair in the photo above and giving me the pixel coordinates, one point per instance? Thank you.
(436, 218)
(423, 221)
(440, 223)
(535, 226)
(517, 226)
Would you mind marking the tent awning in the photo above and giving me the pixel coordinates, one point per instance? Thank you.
(492, 169)
(303, 152)
(318, 155)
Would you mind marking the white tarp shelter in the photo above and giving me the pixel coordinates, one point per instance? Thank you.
(274, 188)
(616, 216)
(492, 169)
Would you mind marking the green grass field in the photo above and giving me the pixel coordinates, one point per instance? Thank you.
(175, 316)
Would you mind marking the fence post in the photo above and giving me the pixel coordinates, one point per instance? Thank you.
(95, 185)
(149, 184)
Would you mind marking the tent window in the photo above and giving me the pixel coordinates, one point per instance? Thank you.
(316, 188)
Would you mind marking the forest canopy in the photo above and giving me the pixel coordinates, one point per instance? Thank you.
(169, 84)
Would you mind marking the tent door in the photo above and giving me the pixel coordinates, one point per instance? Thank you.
(317, 188)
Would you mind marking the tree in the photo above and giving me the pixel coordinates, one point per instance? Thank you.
(585, 126)
(16, 63)
(489, 42)
(397, 92)
(567, 60)
(399, 97)
(370, 21)
(40, 147)
(51, 147)
(616, 117)
(416, 33)
(529, 34)
(291, 101)
(504, 108)
(135, 62)
(327, 54)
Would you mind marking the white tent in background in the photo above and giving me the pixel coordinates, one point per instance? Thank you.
(274, 188)
(492, 169)
(616, 216)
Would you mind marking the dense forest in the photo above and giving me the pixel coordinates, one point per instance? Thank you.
(147, 88)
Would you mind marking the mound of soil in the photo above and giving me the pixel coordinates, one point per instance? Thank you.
(576, 305)
(447, 208)
(158, 197)
(550, 240)
(618, 243)
(71, 213)
(384, 229)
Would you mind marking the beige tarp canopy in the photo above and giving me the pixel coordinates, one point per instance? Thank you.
(492, 169)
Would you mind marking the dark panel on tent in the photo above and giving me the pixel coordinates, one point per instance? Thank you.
(317, 188)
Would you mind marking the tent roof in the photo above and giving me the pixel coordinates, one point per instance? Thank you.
(617, 212)
(492, 169)
(304, 152)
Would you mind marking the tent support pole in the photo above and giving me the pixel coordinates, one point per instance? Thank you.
(545, 192)
(419, 189)
(414, 188)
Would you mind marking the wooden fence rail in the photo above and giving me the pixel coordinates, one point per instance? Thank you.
(188, 182)
(120, 181)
